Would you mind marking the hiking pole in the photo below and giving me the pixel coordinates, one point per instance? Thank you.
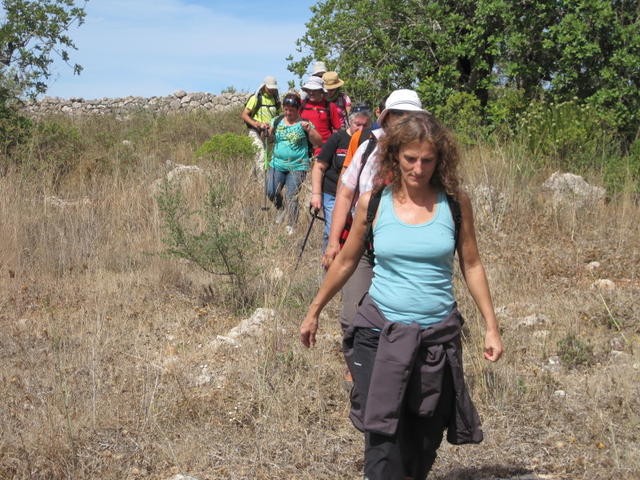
(314, 216)
(265, 144)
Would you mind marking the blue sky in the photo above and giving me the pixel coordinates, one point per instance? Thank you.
(155, 47)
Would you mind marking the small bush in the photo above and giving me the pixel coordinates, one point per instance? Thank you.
(221, 248)
(15, 129)
(504, 109)
(462, 113)
(568, 135)
(227, 147)
(574, 352)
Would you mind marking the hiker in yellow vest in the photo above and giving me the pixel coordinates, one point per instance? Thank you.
(261, 108)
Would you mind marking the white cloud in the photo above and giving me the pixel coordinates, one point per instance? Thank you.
(153, 47)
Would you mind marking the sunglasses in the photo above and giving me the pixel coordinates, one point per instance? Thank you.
(361, 109)
(291, 102)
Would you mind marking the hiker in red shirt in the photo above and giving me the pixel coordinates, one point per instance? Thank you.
(316, 109)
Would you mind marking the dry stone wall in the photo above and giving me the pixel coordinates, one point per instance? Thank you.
(179, 101)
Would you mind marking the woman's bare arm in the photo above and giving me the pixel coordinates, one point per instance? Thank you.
(338, 274)
(476, 280)
(317, 174)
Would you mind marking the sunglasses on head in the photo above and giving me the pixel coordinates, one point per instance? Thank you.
(361, 109)
(291, 102)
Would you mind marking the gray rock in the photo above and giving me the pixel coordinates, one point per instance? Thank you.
(592, 266)
(179, 93)
(533, 320)
(603, 284)
(569, 189)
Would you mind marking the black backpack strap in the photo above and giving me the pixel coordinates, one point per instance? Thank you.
(456, 213)
(276, 121)
(372, 209)
(257, 106)
(365, 135)
(373, 141)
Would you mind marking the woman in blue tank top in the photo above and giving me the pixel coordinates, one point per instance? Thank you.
(404, 348)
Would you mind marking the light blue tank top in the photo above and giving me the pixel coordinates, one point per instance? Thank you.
(412, 273)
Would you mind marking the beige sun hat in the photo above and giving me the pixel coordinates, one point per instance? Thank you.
(270, 82)
(318, 68)
(402, 99)
(332, 81)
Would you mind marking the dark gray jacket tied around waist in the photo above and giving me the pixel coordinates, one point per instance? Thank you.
(409, 367)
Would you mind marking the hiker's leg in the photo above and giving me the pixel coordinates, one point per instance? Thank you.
(294, 181)
(275, 182)
(382, 460)
(423, 435)
(258, 166)
(328, 201)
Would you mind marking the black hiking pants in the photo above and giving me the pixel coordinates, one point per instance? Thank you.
(411, 452)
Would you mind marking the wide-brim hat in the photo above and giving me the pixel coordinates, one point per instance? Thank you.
(318, 67)
(270, 82)
(313, 83)
(404, 100)
(332, 81)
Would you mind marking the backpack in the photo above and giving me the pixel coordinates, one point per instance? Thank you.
(373, 141)
(258, 104)
(372, 209)
(342, 105)
(310, 147)
(326, 108)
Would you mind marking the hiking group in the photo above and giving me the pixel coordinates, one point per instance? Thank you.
(395, 217)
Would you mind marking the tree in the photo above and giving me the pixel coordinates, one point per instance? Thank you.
(556, 49)
(32, 32)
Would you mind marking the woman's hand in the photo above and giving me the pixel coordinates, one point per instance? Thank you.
(305, 126)
(308, 330)
(316, 201)
(329, 254)
(493, 347)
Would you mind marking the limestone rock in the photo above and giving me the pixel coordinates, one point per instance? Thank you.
(181, 176)
(61, 204)
(489, 204)
(603, 284)
(569, 189)
(592, 266)
(179, 94)
(533, 320)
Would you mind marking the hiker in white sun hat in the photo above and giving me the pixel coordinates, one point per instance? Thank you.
(318, 110)
(261, 108)
(318, 69)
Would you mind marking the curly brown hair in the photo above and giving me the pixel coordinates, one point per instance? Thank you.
(419, 126)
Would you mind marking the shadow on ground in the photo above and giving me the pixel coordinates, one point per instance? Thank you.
(492, 472)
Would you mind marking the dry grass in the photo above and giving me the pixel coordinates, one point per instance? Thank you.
(103, 340)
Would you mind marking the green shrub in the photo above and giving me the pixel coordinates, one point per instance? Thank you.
(227, 147)
(504, 109)
(574, 352)
(15, 129)
(462, 113)
(568, 135)
(222, 248)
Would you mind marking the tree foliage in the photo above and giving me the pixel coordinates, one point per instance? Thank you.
(556, 49)
(32, 33)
